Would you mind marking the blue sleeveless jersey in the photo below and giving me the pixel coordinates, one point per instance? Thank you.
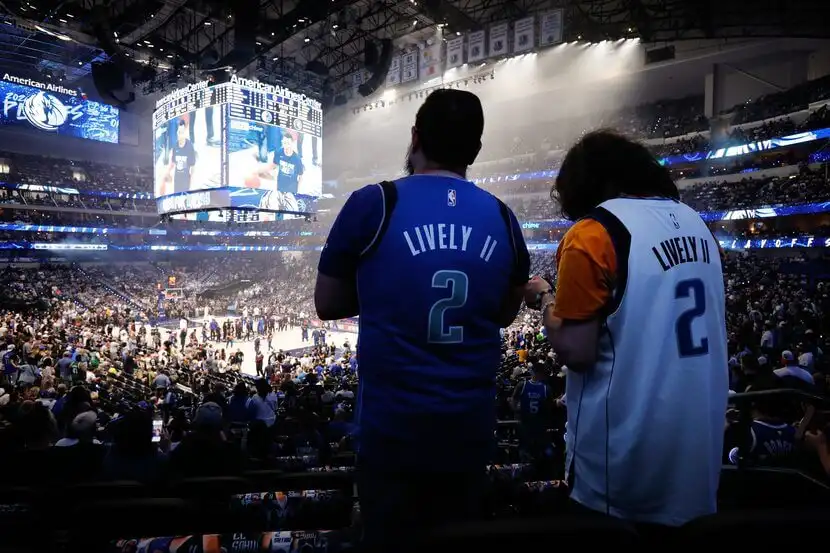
(533, 407)
(772, 442)
(431, 286)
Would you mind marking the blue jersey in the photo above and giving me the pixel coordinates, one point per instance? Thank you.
(437, 257)
(772, 442)
(533, 403)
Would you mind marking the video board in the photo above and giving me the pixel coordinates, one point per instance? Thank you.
(241, 145)
(54, 108)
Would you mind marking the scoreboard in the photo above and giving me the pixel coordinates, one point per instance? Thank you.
(266, 104)
(242, 145)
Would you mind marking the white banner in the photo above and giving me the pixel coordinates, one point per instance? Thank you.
(431, 60)
(475, 46)
(357, 79)
(409, 67)
(550, 28)
(393, 77)
(498, 40)
(524, 34)
(455, 52)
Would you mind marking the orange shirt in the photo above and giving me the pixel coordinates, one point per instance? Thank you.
(586, 271)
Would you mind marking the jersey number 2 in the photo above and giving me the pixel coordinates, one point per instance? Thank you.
(685, 342)
(458, 298)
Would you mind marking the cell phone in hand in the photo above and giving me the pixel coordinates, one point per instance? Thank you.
(157, 427)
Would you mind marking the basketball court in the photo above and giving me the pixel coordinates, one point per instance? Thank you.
(286, 340)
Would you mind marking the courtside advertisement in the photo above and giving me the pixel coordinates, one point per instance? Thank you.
(53, 108)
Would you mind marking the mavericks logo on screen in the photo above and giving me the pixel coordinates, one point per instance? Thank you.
(185, 202)
(44, 111)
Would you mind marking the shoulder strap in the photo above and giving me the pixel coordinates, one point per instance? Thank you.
(621, 239)
(390, 199)
(505, 215)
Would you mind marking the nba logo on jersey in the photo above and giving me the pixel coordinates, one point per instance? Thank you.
(451, 197)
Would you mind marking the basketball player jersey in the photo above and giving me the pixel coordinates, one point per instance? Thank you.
(646, 423)
(772, 442)
(431, 286)
(533, 399)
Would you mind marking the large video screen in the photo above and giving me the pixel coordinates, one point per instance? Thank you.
(188, 152)
(241, 145)
(53, 108)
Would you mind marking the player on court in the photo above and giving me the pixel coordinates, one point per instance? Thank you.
(638, 317)
(434, 266)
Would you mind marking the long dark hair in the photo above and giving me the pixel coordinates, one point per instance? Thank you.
(605, 165)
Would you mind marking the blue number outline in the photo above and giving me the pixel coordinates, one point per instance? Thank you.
(683, 327)
(458, 298)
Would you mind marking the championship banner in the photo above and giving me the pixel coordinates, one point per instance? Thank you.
(357, 79)
(498, 40)
(455, 52)
(475, 44)
(431, 60)
(550, 28)
(393, 77)
(409, 71)
(524, 30)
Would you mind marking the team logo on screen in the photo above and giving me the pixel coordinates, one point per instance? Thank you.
(45, 111)
(298, 124)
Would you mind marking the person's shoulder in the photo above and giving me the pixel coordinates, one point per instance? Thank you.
(586, 232)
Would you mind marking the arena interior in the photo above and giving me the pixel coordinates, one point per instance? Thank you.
(154, 261)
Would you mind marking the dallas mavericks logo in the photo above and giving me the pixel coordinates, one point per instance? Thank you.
(45, 111)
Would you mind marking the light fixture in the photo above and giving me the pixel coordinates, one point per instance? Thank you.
(169, 56)
(335, 26)
(306, 39)
(414, 22)
(457, 33)
(208, 23)
(70, 15)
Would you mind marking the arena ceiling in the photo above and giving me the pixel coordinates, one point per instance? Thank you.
(182, 38)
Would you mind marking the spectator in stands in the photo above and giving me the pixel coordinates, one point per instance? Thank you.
(263, 405)
(133, 455)
(429, 355)
(613, 263)
(205, 451)
(792, 374)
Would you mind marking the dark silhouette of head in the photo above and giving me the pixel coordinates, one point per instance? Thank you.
(447, 132)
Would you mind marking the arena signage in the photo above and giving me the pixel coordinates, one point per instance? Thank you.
(184, 91)
(51, 87)
(192, 201)
(276, 90)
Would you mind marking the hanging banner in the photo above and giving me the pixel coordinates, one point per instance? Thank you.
(409, 67)
(498, 40)
(550, 28)
(524, 34)
(455, 52)
(431, 60)
(393, 77)
(357, 80)
(475, 45)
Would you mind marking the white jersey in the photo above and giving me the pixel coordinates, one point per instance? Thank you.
(646, 423)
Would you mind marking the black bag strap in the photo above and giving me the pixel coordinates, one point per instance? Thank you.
(390, 200)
